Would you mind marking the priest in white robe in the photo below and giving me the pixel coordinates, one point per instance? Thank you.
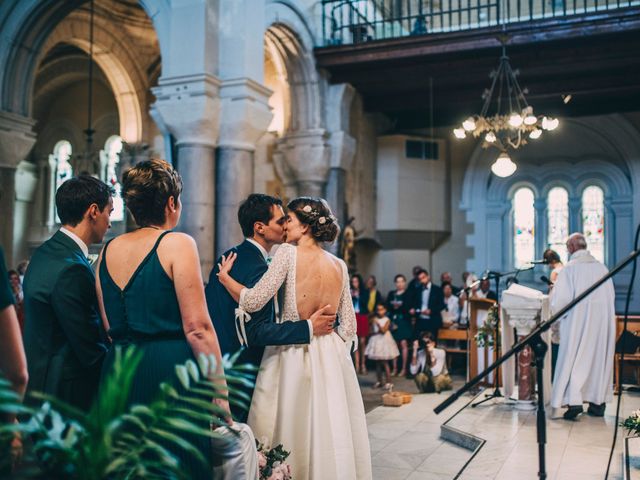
(584, 372)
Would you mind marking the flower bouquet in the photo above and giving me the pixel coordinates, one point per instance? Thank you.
(271, 462)
(632, 423)
(486, 336)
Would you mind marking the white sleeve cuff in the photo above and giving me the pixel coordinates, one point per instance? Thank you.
(310, 330)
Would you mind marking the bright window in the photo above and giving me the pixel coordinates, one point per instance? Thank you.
(110, 160)
(524, 219)
(558, 217)
(61, 170)
(593, 220)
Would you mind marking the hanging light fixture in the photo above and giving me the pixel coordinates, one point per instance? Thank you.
(503, 166)
(506, 120)
(88, 161)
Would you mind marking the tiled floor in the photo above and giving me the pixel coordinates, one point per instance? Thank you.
(406, 444)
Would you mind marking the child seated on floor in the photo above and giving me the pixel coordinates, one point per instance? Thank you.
(429, 366)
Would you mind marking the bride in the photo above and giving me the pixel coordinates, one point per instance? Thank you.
(307, 397)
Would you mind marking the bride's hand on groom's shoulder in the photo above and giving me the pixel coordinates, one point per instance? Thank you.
(224, 267)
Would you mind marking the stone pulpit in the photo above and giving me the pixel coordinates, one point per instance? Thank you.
(523, 309)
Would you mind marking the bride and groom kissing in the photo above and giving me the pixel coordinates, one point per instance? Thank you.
(281, 312)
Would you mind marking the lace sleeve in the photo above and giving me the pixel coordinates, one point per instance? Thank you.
(253, 299)
(346, 313)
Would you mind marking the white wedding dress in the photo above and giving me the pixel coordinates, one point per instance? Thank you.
(307, 397)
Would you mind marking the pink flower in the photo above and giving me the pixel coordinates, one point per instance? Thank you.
(277, 474)
(262, 460)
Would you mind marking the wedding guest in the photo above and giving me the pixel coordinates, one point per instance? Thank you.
(445, 278)
(398, 305)
(151, 294)
(13, 363)
(452, 303)
(63, 338)
(429, 305)
(18, 295)
(555, 264)
(371, 296)
(362, 323)
(485, 290)
(414, 287)
(22, 268)
(469, 291)
(381, 347)
(429, 365)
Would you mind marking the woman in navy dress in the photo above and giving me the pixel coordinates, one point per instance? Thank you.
(151, 293)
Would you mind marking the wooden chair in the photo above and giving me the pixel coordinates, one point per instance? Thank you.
(633, 325)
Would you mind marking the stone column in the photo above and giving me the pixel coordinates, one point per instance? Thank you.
(189, 107)
(245, 117)
(16, 140)
(303, 161)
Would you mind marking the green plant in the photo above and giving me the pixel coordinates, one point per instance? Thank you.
(487, 333)
(114, 440)
(632, 423)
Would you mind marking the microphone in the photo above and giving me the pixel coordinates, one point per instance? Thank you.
(546, 280)
(539, 262)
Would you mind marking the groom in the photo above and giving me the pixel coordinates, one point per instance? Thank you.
(264, 224)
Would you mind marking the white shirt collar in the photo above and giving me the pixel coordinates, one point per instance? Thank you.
(579, 253)
(77, 239)
(264, 253)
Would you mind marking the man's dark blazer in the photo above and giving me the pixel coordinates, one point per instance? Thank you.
(62, 331)
(436, 305)
(262, 329)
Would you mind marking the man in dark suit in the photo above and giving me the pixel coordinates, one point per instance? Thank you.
(63, 333)
(429, 305)
(263, 223)
(485, 290)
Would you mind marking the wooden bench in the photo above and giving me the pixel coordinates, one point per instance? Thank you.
(459, 334)
(633, 325)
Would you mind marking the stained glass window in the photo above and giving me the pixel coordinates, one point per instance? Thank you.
(61, 169)
(558, 216)
(111, 159)
(593, 220)
(524, 217)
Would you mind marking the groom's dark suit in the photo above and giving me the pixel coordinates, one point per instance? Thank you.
(62, 331)
(262, 329)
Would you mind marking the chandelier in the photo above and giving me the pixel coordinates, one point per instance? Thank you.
(506, 121)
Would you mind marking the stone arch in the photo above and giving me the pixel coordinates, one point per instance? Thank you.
(113, 54)
(27, 25)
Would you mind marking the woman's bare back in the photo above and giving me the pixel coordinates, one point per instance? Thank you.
(318, 281)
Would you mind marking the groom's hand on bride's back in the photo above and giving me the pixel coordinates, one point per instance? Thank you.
(322, 321)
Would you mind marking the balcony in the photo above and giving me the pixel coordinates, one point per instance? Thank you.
(417, 60)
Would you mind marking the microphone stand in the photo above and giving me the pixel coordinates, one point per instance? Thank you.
(539, 347)
(497, 340)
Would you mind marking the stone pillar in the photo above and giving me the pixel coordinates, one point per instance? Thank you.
(245, 117)
(524, 321)
(189, 107)
(303, 161)
(343, 150)
(16, 140)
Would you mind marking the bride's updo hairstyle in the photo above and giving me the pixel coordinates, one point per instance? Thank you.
(316, 213)
(146, 188)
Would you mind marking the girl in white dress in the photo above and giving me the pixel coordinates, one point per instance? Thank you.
(382, 347)
(307, 397)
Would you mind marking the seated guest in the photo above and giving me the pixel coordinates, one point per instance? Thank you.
(63, 339)
(445, 278)
(485, 290)
(451, 314)
(429, 365)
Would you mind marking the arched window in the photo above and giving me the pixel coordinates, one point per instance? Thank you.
(558, 217)
(524, 219)
(110, 158)
(61, 171)
(593, 220)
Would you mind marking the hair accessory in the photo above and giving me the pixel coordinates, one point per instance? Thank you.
(322, 220)
(307, 209)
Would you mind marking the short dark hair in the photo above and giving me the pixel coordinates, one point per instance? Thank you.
(146, 188)
(76, 195)
(256, 208)
(395, 279)
(421, 271)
